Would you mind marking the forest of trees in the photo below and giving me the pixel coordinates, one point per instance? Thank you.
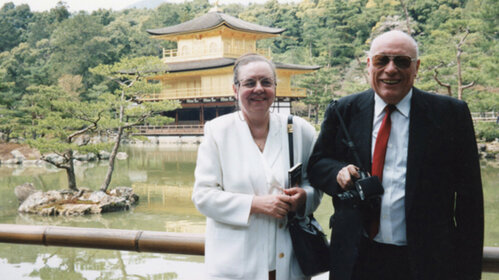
(45, 55)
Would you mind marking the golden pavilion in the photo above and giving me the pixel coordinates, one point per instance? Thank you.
(199, 71)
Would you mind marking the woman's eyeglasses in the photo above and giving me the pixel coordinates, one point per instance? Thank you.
(401, 61)
(251, 83)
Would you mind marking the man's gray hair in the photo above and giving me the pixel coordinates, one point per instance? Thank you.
(392, 33)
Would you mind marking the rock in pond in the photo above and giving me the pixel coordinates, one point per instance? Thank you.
(84, 201)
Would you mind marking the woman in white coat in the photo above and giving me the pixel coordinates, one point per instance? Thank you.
(241, 174)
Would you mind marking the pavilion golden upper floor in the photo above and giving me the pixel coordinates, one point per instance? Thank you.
(207, 47)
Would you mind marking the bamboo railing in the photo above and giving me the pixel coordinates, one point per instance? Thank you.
(139, 241)
(114, 239)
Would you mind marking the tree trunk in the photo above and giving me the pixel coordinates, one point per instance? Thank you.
(460, 86)
(316, 114)
(447, 86)
(404, 6)
(112, 159)
(6, 135)
(366, 78)
(114, 152)
(70, 172)
(459, 75)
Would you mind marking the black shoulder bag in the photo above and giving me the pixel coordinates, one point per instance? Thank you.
(309, 242)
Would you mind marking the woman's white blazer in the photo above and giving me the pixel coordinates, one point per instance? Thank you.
(230, 171)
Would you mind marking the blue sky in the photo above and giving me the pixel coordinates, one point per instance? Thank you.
(92, 5)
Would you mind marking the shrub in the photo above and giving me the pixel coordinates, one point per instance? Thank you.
(489, 131)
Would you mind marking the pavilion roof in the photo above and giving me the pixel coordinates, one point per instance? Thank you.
(212, 20)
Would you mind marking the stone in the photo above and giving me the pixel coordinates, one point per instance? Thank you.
(40, 202)
(33, 162)
(96, 197)
(85, 157)
(104, 155)
(55, 158)
(82, 140)
(82, 202)
(12, 161)
(78, 209)
(121, 156)
(482, 147)
(24, 191)
(125, 192)
(490, 156)
(18, 155)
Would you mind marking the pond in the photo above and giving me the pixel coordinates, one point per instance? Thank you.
(163, 178)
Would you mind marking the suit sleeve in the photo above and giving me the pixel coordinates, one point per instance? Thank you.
(323, 167)
(469, 215)
(209, 195)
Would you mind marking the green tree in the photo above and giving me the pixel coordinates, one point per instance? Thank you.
(131, 76)
(6, 90)
(9, 123)
(337, 38)
(78, 44)
(308, 14)
(322, 86)
(128, 36)
(454, 67)
(23, 66)
(58, 120)
(9, 116)
(13, 24)
(41, 48)
(44, 23)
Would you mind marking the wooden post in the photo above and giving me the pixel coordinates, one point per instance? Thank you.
(201, 114)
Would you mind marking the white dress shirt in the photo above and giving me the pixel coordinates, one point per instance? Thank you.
(392, 227)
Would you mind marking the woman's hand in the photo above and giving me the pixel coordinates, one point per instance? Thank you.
(298, 198)
(274, 205)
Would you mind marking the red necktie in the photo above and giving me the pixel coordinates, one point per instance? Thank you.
(379, 161)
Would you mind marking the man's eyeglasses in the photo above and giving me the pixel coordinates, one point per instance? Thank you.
(251, 83)
(401, 61)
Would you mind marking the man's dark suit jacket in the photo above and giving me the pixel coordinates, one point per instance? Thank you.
(443, 192)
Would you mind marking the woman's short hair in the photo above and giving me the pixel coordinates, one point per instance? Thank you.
(248, 58)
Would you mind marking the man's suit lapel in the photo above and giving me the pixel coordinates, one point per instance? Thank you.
(361, 127)
(420, 128)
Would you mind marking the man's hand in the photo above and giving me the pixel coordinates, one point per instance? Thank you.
(274, 205)
(344, 177)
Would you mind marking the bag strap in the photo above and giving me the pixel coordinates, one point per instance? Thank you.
(290, 140)
(291, 215)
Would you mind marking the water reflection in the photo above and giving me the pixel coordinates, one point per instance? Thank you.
(163, 178)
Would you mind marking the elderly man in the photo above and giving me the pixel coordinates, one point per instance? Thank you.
(428, 224)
